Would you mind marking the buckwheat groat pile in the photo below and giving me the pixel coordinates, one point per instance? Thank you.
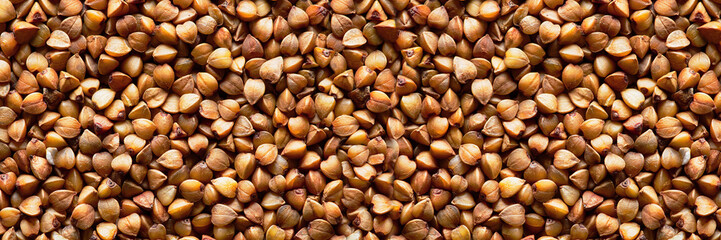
(360, 119)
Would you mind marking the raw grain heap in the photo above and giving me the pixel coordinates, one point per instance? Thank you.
(360, 119)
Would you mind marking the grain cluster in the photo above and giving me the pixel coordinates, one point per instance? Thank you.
(360, 119)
